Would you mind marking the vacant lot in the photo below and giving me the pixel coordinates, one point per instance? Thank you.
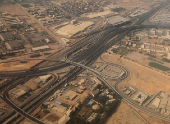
(13, 9)
(153, 120)
(125, 115)
(26, 5)
(142, 78)
(141, 58)
(12, 66)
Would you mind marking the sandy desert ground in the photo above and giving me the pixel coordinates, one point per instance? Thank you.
(142, 78)
(125, 115)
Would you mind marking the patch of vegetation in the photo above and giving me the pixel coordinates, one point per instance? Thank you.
(76, 120)
(121, 51)
(151, 59)
(158, 66)
(25, 96)
(118, 9)
(81, 114)
(65, 105)
(26, 5)
(2, 1)
(166, 60)
(151, 55)
(154, 60)
(102, 99)
(52, 118)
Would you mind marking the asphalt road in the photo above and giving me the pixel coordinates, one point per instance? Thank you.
(88, 58)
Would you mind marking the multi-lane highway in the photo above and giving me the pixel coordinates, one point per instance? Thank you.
(100, 42)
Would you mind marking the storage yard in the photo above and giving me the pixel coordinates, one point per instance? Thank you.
(73, 29)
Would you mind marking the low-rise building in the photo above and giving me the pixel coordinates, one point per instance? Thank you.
(13, 45)
(7, 36)
(92, 117)
(95, 93)
(19, 91)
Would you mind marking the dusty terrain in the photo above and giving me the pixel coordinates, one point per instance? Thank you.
(125, 115)
(129, 4)
(13, 9)
(153, 120)
(12, 66)
(142, 78)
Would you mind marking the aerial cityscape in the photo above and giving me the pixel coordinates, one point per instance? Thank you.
(84, 61)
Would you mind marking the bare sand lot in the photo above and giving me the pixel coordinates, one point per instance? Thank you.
(142, 78)
(13, 9)
(153, 120)
(12, 66)
(137, 57)
(125, 115)
(129, 4)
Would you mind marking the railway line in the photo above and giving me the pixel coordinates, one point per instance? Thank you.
(100, 44)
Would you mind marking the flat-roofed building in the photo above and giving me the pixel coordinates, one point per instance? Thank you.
(13, 45)
(35, 37)
(19, 91)
(36, 40)
(156, 102)
(7, 36)
(92, 117)
(163, 102)
(45, 47)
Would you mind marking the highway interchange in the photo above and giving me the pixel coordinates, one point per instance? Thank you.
(98, 43)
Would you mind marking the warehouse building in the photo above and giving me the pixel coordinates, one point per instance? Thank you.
(36, 40)
(40, 48)
(7, 36)
(163, 102)
(13, 45)
(35, 37)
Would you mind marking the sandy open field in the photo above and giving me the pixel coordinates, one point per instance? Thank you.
(153, 120)
(12, 66)
(13, 9)
(125, 115)
(129, 4)
(142, 78)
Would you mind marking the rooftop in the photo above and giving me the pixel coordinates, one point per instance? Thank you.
(35, 37)
(7, 36)
(13, 45)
